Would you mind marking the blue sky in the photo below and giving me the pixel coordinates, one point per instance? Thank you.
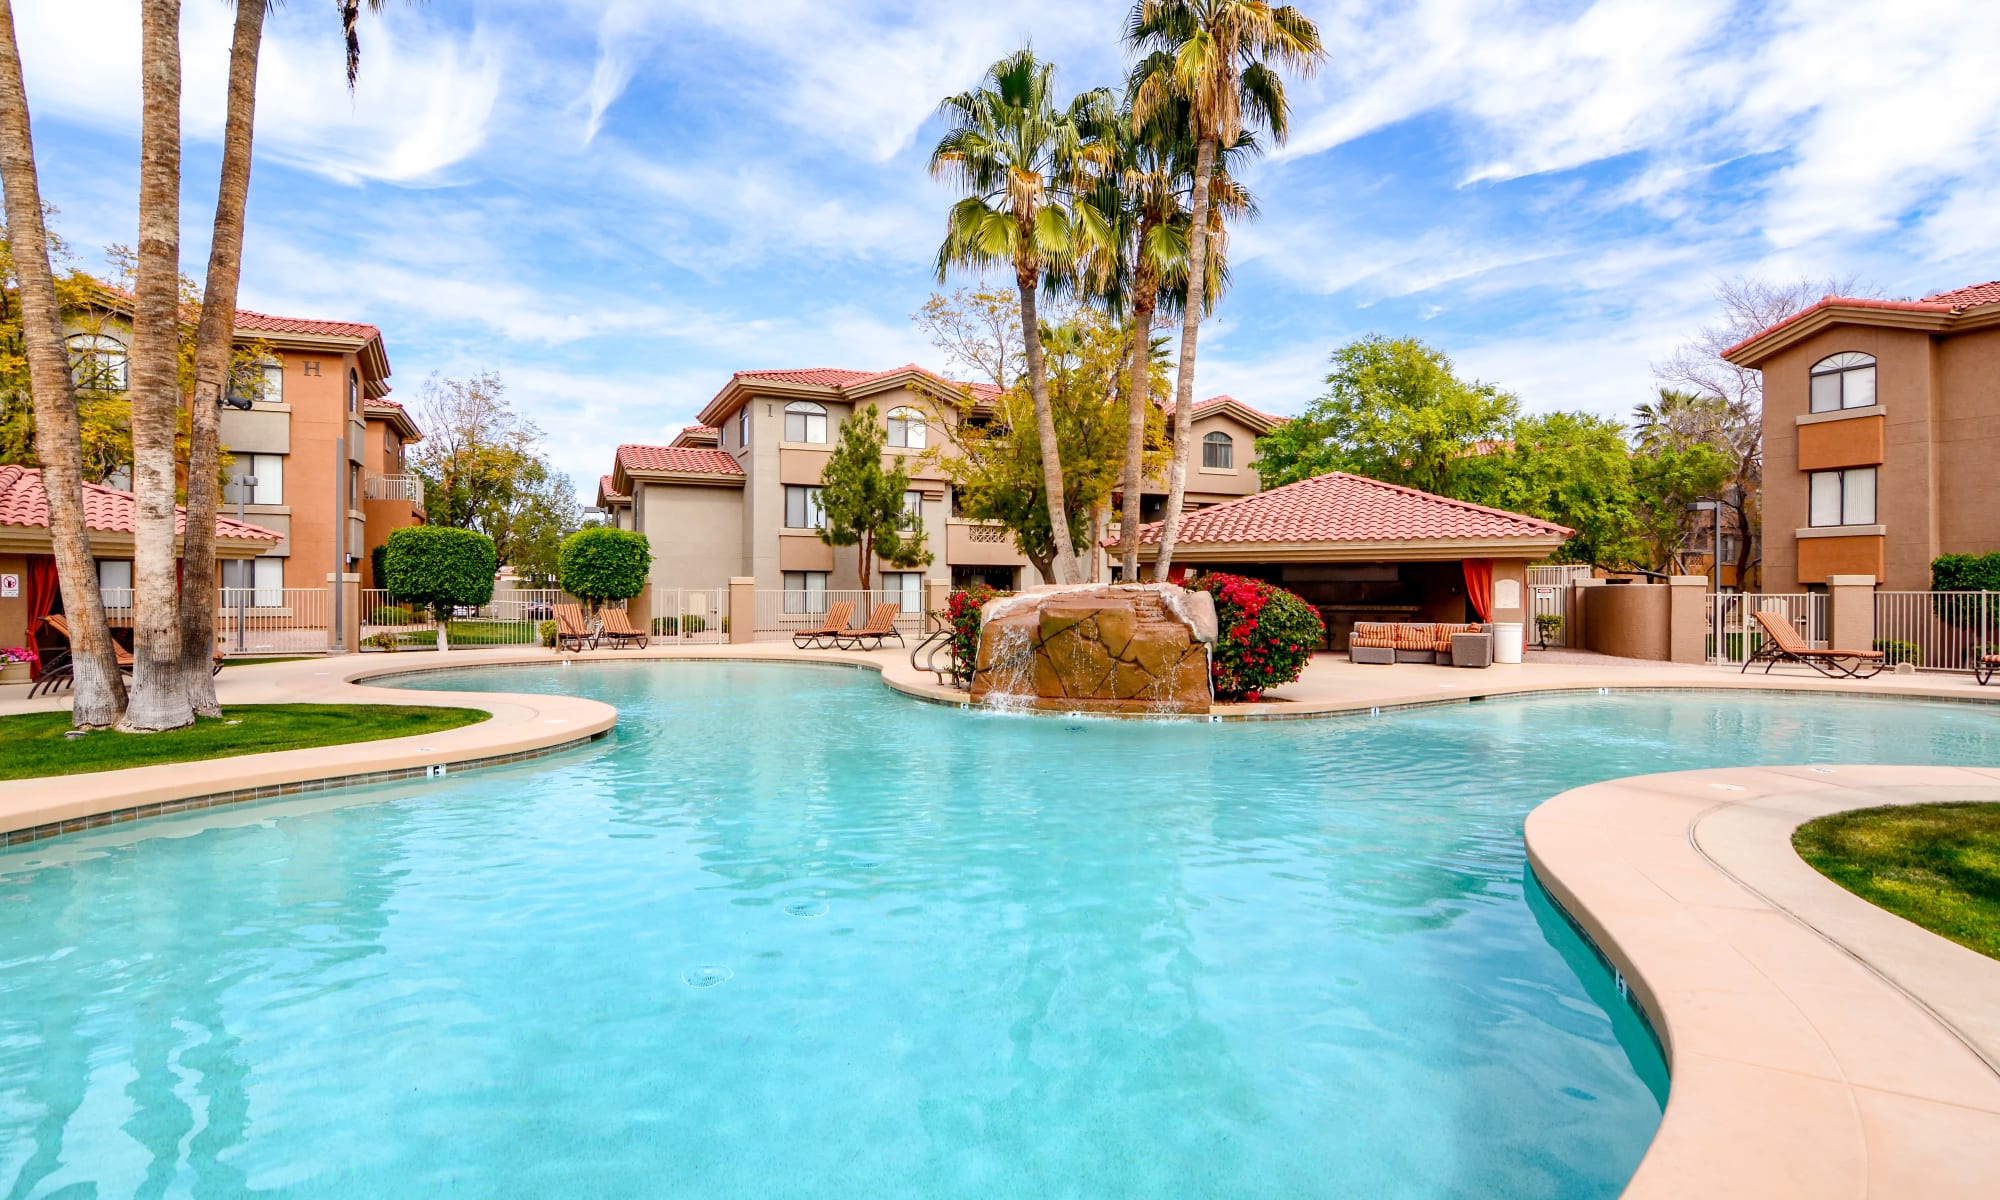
(616, 204)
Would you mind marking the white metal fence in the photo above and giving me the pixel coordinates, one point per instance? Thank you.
(512, 618)
(783, 612)
(254, 620)
(1937, 631)
(1548, 595)
(1734, 633)
(691, 616)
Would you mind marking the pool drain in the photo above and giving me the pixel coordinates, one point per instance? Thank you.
(703, 977)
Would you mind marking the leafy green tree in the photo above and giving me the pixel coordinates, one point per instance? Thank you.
(1571, 468)
(440, 567)
(1219, 59)
(483, 469)
(1393, 411)
(605, 564)
(1017, 155)
(863, 500)
(1666, 483)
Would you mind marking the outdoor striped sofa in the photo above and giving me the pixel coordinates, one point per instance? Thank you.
(1384, 642)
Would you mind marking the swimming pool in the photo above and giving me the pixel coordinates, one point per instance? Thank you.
(790, 934)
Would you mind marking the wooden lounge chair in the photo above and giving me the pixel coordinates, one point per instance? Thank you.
(1782, 643)
(824, 634)
(616, 626)
(60, 671)
(1983, 669)
(572, 629)
(881, 626)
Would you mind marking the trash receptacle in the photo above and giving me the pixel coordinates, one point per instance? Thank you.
(1507, 641)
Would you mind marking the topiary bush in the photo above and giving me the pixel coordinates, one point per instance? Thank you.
(1966, 573)
(604, 564)
(961, 612)
(1265, 635)
(438, 568)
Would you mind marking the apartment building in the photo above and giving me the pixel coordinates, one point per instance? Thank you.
(1881, 431)
(736, 496)
(317, 448)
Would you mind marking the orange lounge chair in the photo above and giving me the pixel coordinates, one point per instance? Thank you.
(827, 632)
(1782, 643)
(1984, 668)
(571, 628)
(60, 672)
(881, 626)
(616, 625)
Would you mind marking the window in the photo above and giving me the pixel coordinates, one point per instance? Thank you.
(907, 428)
(98, 363)
(802, 510)
(1843, 497)
(269, 472)
(805, 591)
(913, 510)
(1218, 451)
(353, 391)
(743, 428)
(253, 582)
(114, 579)
(262, 383)
(805, 422)
(904, 589)
(1843, 381)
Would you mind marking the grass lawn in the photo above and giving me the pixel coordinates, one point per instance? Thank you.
(472, 633)
(33, 745)
(1935, 864)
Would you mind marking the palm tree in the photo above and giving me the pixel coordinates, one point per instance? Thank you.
(1019, 160)
(158, 701)
(211, 364)
(1219, 57)
(99, 689)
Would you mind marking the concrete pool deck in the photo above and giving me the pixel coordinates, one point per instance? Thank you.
(1818, 1046)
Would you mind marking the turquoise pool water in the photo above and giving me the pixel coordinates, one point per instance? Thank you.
(791, 935)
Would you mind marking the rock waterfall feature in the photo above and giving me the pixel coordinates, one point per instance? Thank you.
(1108, 648)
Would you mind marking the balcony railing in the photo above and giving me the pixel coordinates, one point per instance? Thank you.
(394, 487)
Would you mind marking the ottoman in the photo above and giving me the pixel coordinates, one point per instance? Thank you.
(1471, 649)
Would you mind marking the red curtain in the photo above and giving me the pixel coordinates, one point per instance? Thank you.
(1479, 586)
(42, 589)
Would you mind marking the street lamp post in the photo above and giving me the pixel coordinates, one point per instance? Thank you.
(1715, 548)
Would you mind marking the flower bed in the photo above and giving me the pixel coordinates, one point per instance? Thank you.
(961, 611)
(1265, 635)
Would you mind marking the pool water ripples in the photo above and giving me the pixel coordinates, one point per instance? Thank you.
(789, 934)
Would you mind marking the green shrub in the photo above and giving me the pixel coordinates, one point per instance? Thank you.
(1265, 635)
(378, 567)
(1549, 626)
(692, 623)
(391, 614)
(547, 632)
(1895, 651)
(604, 564)
(961, 611)
(1966, 573)
(437, 567)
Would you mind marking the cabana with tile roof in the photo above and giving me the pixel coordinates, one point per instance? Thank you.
(27, 555)
(1363, 550)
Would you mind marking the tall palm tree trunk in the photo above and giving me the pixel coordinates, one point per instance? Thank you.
(1145, 296)
(158, 700)
(211, 365)
(99, 689)
(1170, 527)
(1045, 428)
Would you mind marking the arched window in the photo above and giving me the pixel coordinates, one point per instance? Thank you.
(98, 363)
(353, 391)
(907, 428)
(805, 422)
(1843, 381)
(1218, 451)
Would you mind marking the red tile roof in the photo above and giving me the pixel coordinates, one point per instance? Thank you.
(1944, 303)
(814, 376)
(256, 322)
(1968, 297)
(24, 503)
(677, 458)
(1339, 507)
(607, 491)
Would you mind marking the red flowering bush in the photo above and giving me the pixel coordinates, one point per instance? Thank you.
(961, 612)
(1264, 634)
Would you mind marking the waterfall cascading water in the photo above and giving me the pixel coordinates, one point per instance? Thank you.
(1118, 648)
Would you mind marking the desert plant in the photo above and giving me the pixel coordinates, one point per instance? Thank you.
(1265, 635)
(604, 564)
(382, 641)
(440, 568)
(546, 631)
(1548, 627)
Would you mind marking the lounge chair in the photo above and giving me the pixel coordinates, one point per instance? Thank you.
(1782, 643)
(60, 671)
(572, 629)
(1983, 669)
(616, 626)
(826, 632)
(881, 626)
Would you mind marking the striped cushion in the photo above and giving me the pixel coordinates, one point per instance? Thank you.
(1371, 633)
(1413, 637)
